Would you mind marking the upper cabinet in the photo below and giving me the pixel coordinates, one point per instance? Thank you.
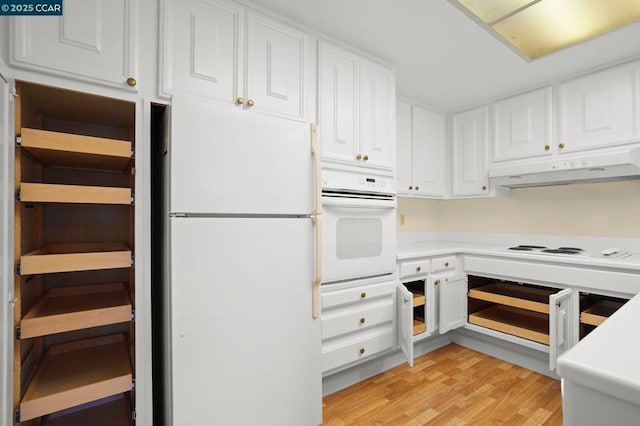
(420, 151)
(598, 110)
(470, 153)
(522, 126)
(356, 110)
(219, 50)
(93, 40)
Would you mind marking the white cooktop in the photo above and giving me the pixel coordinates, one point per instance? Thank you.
(609, 253)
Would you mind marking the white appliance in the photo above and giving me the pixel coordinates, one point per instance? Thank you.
(244, 343)
(582, 168)
(359, 237)
(567, 251)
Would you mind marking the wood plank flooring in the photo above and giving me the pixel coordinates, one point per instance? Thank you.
(450, 386)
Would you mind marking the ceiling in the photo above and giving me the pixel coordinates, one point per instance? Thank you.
(443, 59)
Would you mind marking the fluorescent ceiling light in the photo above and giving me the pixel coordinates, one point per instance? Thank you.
(539, 27)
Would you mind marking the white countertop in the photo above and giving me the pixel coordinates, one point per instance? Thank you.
(416, 249)
(608, 359)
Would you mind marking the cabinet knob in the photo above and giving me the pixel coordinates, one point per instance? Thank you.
(366, 157)
(361, 351)
(411, 187)
(250, 103)
(547, 147)
(558, 304)
(239, 100)
(417, 188)
(484, 187)
(437, 282)
(418, 268)
(362, 320)
(446, 264)
(131, 81)
(561, 145)
(363, 295)
(358, 157)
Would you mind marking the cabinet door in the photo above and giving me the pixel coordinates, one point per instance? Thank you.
(203, 41)
(598, 110)
(453, 302)
(523, 126)
(93, 40)
(338, 104)
(404, 156)
(470, 153)
(431, 307)
(377, 116)
(405, 322)
(428, 152)
(276, 78)
(560, 324)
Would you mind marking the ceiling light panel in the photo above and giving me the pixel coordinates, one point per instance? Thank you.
(537, 28)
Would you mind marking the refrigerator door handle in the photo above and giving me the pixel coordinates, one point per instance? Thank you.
(315, 151)
(317, 221)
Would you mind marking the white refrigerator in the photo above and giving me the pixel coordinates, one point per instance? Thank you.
(243, 257)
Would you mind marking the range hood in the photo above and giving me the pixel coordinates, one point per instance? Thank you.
(610, 166)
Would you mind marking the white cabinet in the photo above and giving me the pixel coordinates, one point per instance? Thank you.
(598, 110)
(560, 324)
(93, 40)
(452, 301)
(358, 321)
(356, 110)
(522, 126)
(420, 151)
(470, 153)
(219, 50)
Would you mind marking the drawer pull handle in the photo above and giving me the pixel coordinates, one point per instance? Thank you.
(361, 351)
(131, 81)
(484, 187)
(362, 320)
(250, 103)
(437, 282)
(366, 157)
(417, 188)
(547, 147)
(411, 187)
(363, 295)
(561, 145)
(239, 100)
(359, 157)
(446, 264)
(418, 268)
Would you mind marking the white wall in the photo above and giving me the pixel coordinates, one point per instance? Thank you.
(609, 209)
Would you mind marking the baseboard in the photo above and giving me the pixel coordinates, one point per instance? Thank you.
(510, 352)
(357, 373)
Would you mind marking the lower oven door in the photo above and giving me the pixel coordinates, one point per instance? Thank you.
(359, 237)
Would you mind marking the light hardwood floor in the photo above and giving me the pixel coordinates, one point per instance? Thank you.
(450, 386)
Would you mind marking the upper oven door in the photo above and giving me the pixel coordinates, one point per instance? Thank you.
(359, 236)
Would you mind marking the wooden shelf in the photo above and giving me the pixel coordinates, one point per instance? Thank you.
(76, 373)
(529, 298)
(75, 257)
(519, 322)
(78, 151)
(419, 326)
(76, 308)
(112, 411)
(598, 313)
(419, 299)
(73, 194)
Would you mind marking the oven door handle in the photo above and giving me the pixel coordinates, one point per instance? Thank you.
(359, 203)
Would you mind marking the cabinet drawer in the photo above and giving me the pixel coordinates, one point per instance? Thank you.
(443, 264)
(357, 319)
(365, 293)
(418, 267)
(357, 349)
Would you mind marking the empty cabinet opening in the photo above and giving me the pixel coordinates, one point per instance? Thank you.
(514, 308)
(595, 309)
(74, 251)
(417, 289)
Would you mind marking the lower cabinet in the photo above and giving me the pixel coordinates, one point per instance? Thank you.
(594, 310)
(537, 314)
(433, 303)
(358, 321)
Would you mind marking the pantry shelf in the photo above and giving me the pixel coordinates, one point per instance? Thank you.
(598, 313)
(519, 322)
(77, 151)
(419, 299)
(76, 308)
(75, 257)
(529, 298)
(419, 326)
(112, 411)
(73, 194)
(76, 373)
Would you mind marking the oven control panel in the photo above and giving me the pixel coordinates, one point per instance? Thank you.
(334, 179)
